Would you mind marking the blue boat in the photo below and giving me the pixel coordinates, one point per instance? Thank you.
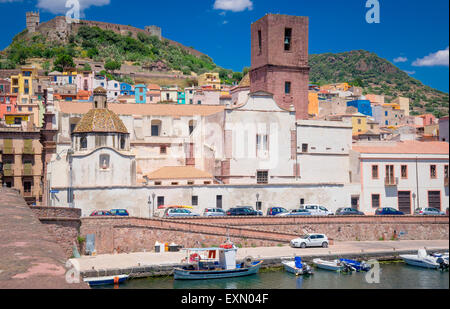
(358, 266)
(207, 267)
(109, 280)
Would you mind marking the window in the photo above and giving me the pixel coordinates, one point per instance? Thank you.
(433, 173)
(359, 121)
(287, 87)
(404, 171)
(287, 39)
(262, 145)
(163, 150)
(260, 41)
(27, 186)
(160, 201)
(390, 173)
(375, 174)
(446, 172)
(156, 125)
(157, 183)
(262, 177)
(304, 147)
(258, 205)
(386, 114)
(122, 142)
(219, 201)
(83, 142)
(8, 108)
(375, 201)
(194, 200)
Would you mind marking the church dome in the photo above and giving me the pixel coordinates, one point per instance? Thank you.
(100, 121)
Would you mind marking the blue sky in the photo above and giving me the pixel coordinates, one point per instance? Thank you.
(413, 32)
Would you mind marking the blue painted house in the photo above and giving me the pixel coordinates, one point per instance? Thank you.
(181, 97)
(363, 106)
(140, 93)
(126, 89)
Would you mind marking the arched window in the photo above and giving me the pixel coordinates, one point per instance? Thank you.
(83, 142)
(122, 142)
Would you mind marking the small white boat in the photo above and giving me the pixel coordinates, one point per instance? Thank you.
(335, 265)
(297, 268)
(422, 259)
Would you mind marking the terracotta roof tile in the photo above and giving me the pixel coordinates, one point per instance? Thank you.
(407, 147)
(100, 120)
(178, 172)
(144, 109)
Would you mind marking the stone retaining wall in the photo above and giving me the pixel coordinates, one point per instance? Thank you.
(126, 235)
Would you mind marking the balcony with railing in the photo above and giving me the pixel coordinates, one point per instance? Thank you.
(391, 181)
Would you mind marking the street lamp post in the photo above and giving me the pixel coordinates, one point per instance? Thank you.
(153, 196)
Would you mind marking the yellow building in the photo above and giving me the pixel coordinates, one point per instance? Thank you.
(336, 87)
(313, 103)
(403, 103)
(209, 79)
(22, 84)
(358, 121)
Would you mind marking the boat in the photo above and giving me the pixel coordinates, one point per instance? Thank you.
(422, 259)
(358, 266)
(335, 265)
(203, 267)
(297, 268)
(109, 280)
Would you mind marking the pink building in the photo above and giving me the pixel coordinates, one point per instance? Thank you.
(153, 93)
(85, 81)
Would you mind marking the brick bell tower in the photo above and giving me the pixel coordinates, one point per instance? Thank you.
(280, 60)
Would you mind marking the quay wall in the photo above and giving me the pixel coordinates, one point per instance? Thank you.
(127, 235)
(63, 224)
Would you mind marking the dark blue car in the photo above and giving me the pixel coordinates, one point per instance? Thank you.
(388, 211)
(120, 212)
(273, 211)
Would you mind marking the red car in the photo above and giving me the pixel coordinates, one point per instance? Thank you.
(101, 213)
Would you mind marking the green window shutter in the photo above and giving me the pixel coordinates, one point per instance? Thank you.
(28, 169)
(28, 146)
(8, 146)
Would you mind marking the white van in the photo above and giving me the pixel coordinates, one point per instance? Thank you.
(317, 210)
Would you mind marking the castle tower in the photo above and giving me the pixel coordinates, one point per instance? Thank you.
(33, 20)
(279, 55)
(154, 30)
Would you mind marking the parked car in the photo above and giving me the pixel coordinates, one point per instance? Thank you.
(214, 212)
(349, 212)
(260, 213)
(295, 212)
(101, 213)
(241, 211)
(429, 212)
(120, 212)
(317, 210)
(388, 211)
(311, 240)
(179, 212)
(273, 211)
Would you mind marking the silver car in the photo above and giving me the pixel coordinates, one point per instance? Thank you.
(429, 212)
(179, 212)
(310, 240)
(318, 210)
(295, 212)
(214, 212)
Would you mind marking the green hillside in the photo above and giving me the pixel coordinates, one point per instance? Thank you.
(379, 76)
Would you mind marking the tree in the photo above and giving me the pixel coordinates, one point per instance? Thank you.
(63, 62)
(112, 66)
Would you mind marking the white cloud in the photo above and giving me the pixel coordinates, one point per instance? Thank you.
(59, 6)
(439, 58)
(233, 5)
(400, 59)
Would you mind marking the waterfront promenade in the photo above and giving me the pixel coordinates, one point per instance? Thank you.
(151, 263)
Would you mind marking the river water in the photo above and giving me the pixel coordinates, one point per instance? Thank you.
(391, 276)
